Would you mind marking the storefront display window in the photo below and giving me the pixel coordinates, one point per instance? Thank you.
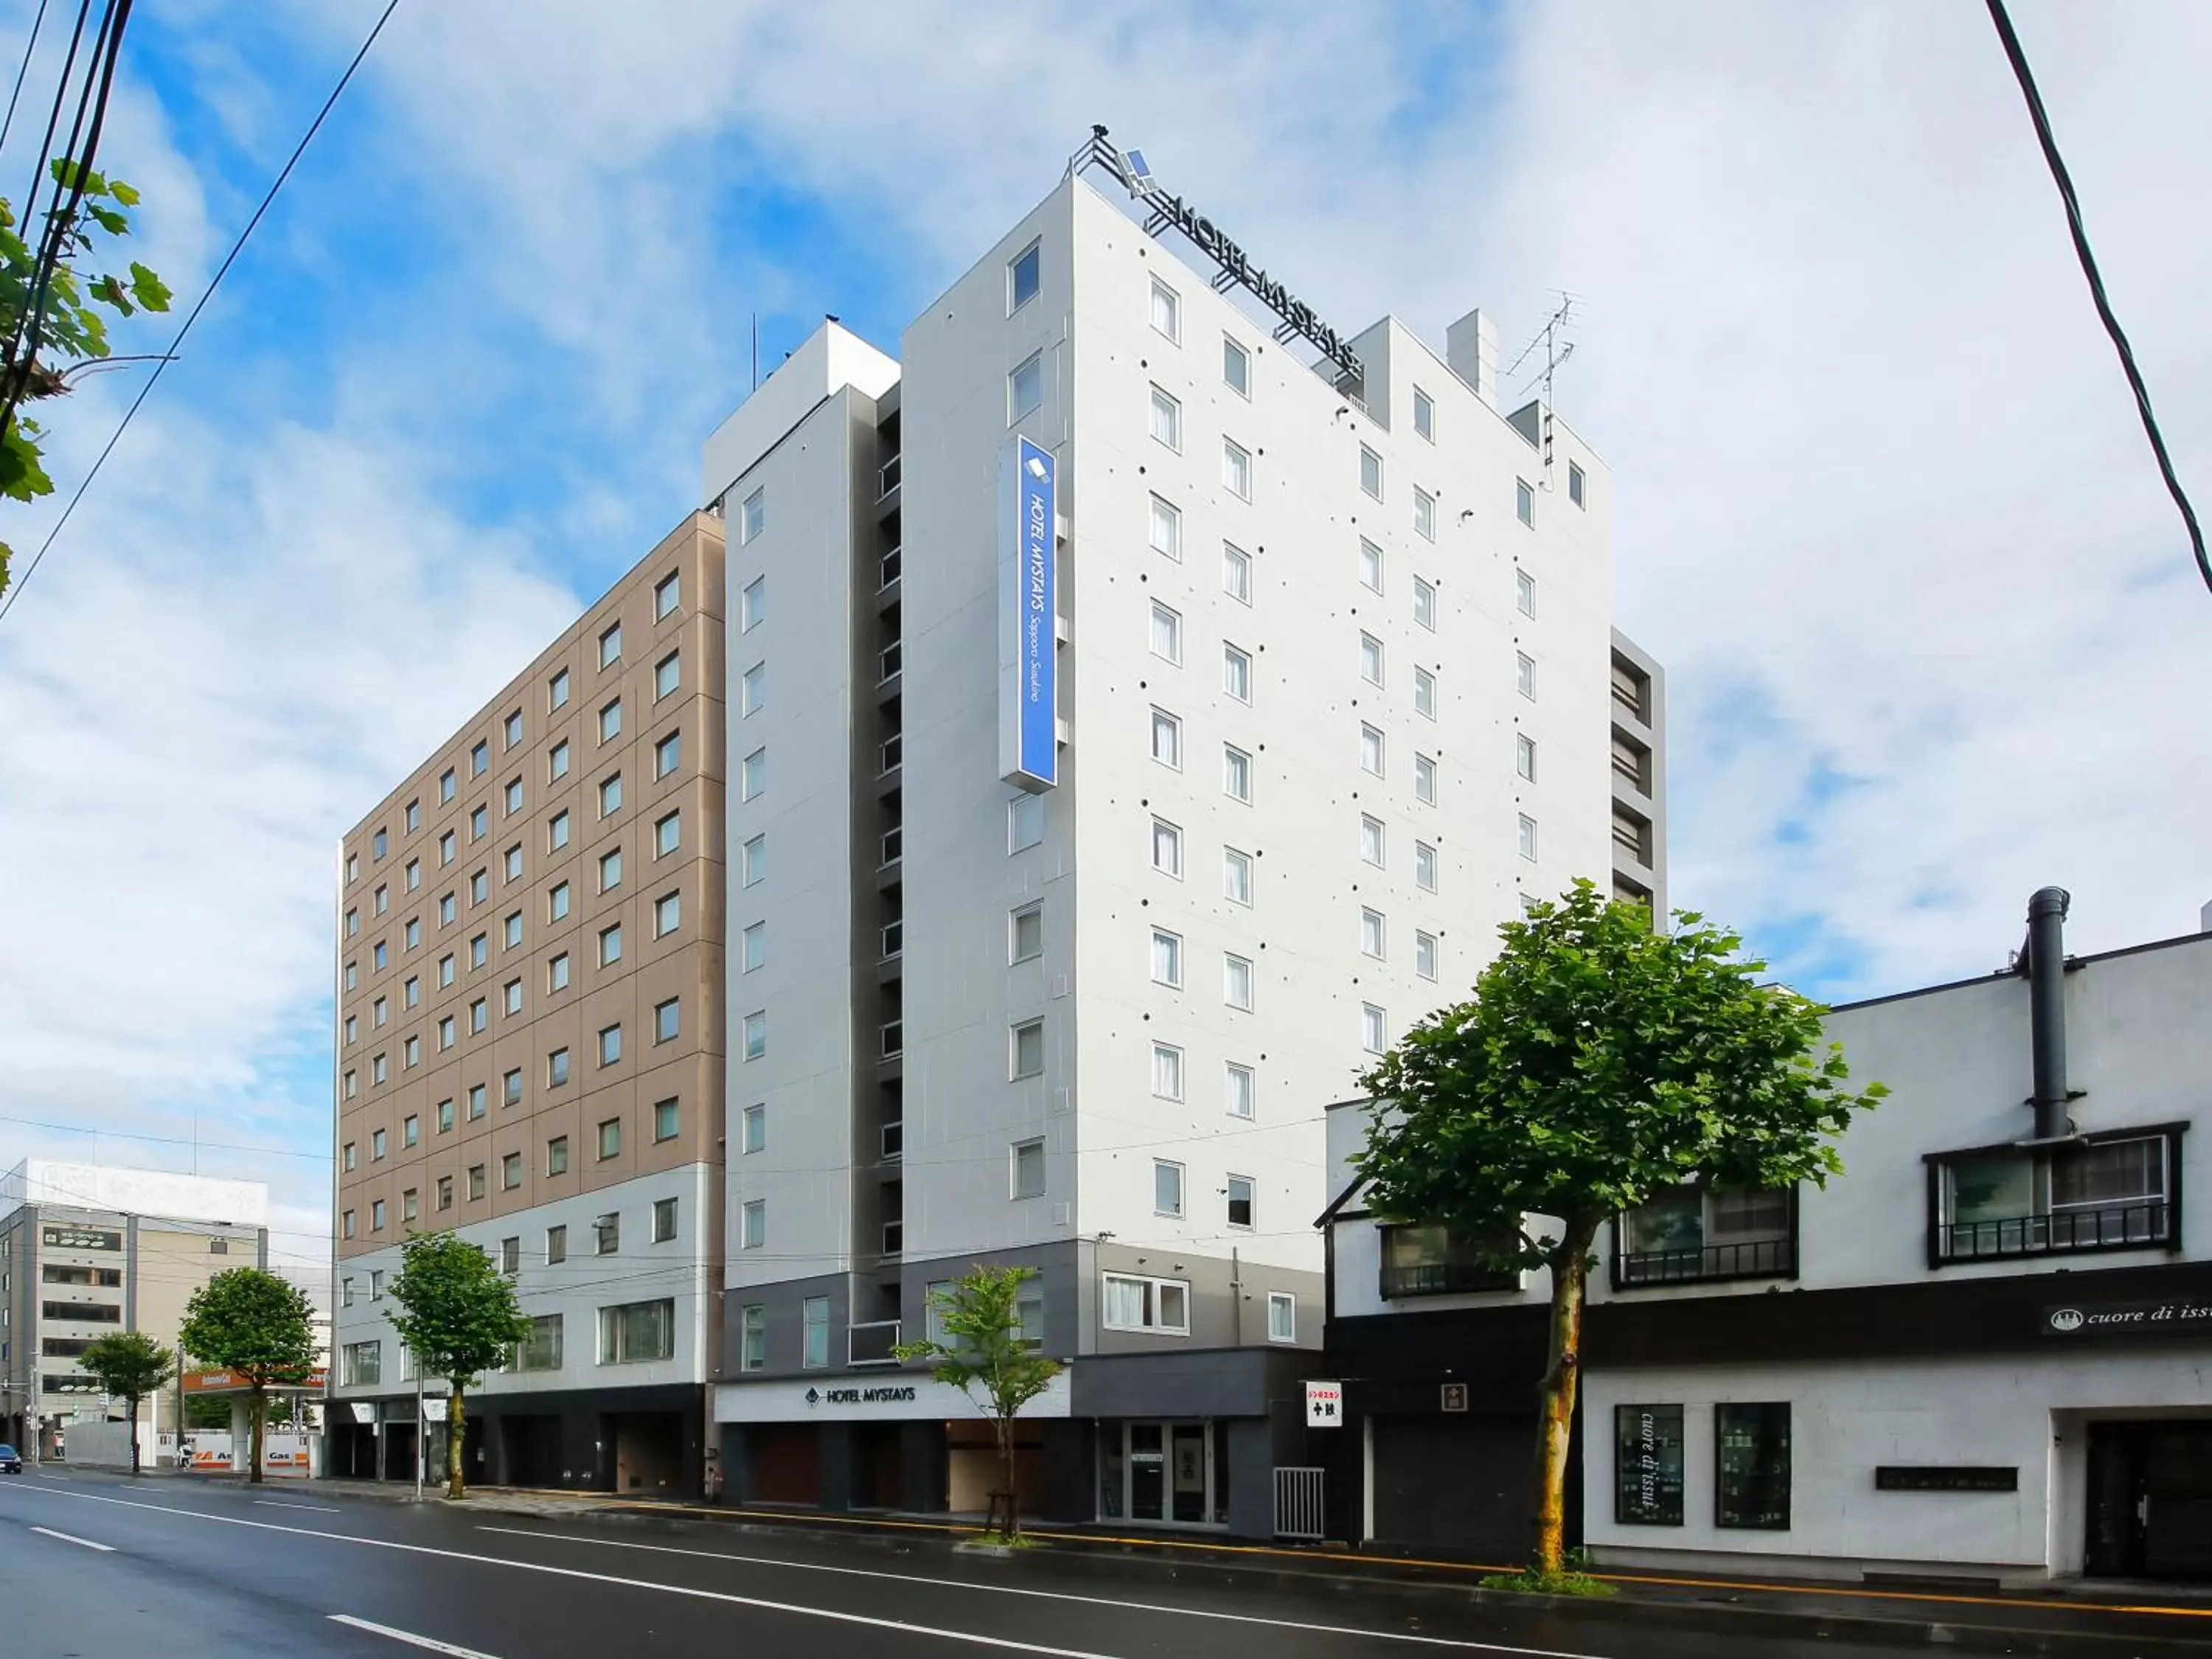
(1647, 1465)
(1752, 1450)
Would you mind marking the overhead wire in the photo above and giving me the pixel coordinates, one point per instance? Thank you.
(2087, 260)
(15, 591)
(23, 68)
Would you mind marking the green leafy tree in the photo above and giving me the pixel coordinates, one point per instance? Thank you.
(457, 1315)
(1600, 1064)
(986, 1356)
(132, 1364)
(249, 1321)
(53, 331)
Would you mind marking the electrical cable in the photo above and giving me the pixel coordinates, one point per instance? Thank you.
(2018, 58)
(29, 47)
(15, 590)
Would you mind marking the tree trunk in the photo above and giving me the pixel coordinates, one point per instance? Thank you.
(1013, 1524)
(258, 1413)
(1562, 1377)
(454, 1426)
(133, 1400)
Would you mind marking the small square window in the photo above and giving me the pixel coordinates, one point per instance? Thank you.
(1237, 573)
(1028, 1174)
(1424, 955)
(1424, 415)
(1237, 982)
(667, 594)
(1527, 840)
(1236, 470)
(752, 605)
(556, 690)
(1236, 772)
(1167, 1188)
(1167, 633)
(1166, 848)
(1166, 530)
(1025, 387)
(1425, 866)
(1235, 367)
(752, 1132)
(1166, 310)
(1370, 472)
(611, 646)
(753, 690)
(1524, 502)
(666, 1119)
(1524, 592)
(1167, 738)
(1578, 486)
(1028, 1050)
(1024, 276)
(1166, 420)
(1238, 1089)
(1026, 933)
(1167, 1072)
(1167, 958)
(1235, 875)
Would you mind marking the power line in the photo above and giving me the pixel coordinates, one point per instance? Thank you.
(2088, 262)
(29, 47)
(164, 1140)
(15, 591)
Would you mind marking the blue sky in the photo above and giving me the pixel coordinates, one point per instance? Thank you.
(1881, 507)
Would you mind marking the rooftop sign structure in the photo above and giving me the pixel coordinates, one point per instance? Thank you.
(1233, 267)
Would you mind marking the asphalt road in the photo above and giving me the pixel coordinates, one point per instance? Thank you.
(102, 1567)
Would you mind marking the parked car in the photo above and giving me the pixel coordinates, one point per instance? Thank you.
(11, 1461)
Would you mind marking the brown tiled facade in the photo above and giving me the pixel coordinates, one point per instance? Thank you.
(516, 852)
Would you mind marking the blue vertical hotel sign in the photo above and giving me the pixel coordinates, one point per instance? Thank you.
(1029, 679)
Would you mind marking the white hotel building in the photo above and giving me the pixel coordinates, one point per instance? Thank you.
(1331, 674)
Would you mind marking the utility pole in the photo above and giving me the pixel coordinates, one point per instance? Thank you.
(421, 1434)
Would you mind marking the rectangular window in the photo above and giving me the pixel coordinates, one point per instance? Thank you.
(664, 1220)
(668, 915)
(448, 785)
(1424, 955)
(752, 1353)
(2114, 1192)
(667, 1019)
(1424, 516)
(1524, 502)
(752, 605)
(557, 1246)
(445, 1117)
(1236, 470)
(556, 973)
(475, 1183)
(1235, 875)
(480, 888)
(1236, 672)
(556, 1068)
(611, 870)
(667, 834)
(610, 795)
(1425, 603)
(556, 1155)
(611, 646)
(556, 831)
(752, 1131)
(1373, 932)
(556, 763)
(1167, 1072)
(1130, 1303)
(611, 945)
(1028, 1050)
(1424, 415)
(814, 1332)
(1237, 982)
(754, 943)
(1024, 822)
(410, 1204)
(413, 874)
(1240, 1192)
(511, 931)
(1235, 367)
(514, 798)
(1371, 566)
(1424, 693)
(1524, 756)
(1166, 848)
(753, 861)
(512, 864)
(1025, 387)
(444, 1193)
(756, 1034)
(610, 1137)
(511, 1087)
(412, 935)
(668, 754)
(414, 816)
(1167, 958)
(753, 1224)
(1282, 1317)
(667, 674)
(1028, 1170)
(1371, 750)
(667, 594)
(1167, 633)
(1424, 779)
(753, 774)
(480, 759)
(1238, 1089)
(610, 1046)
(1166, 532)
(1166, 420)
(753, 690)
(1167, 1188)
(607, 1234)
(1647, 1465)
(1372, 841)
(556, 690)
(1166, 310)
(1024, 276)
(1370, 660)
(1577, 487)
(1167, 738)
(1524, 592)
(510, 1171)
(1374, 1028)
(666, 1120)
(637, 1332)
(1751, 1485)
(1026, 933)
(1527, 839)
(1237, 573)
(611, 720)
(1524, 675)
(476, 1097)
(510, 1255)
(1370, 472)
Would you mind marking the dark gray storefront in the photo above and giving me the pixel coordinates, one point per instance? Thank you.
(644, 1443)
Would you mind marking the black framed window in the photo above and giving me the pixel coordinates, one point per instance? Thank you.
(1647, 1465)
(1435, 1260)
(2116, 1190)
(1751, 1453)
(1696, 1233)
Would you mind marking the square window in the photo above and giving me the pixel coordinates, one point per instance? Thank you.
(668, 754)
(557, 761)
(1370, 472)
(611, 720)
(756, 1034)
(752, 605)
(1028, 1050)
(1282, 1317)
(611, 945)
(753, 774)
(1237, 982)
(1025, 387)
(752, 861)
(1425, 603)
(1026, 933)
(1425, 780)
(1166, 531)
(753, 1224)
(1424, 693)
(1424, 955)
(556, 973)
(668, 915)
(1166, 848)
(1424, 415)
(1024, 822)
(1237, 573)
(1167, 633)
(1166, 310)
(1235, 875)
(1527, 841)
(1236, 470)
(664, 1220)
(610, 795)
(1240, 1192)
(1167, 1072)
(1524, 592)
(1425, 866)
(1370, 660)
(753, 690)
(1424, 516)
(1371, 750)
(556, 1068)
(1024, 276)
(1236, 672)
(1167, 1188)
(1374, 1028)
(1167, 738)
(1371, 566)
(1524, 756)
(1524, 675)
(610, 1139)
(611, 646)
(1236, 774)
(610, 1047)
(1167, 958)
(1524, 502)
(752, 1134)
(1577, 487)
(1238, 1089)
(1235, 367)
(1372, 934)
(667, 1019)
(1166, 420)
(1028, 1170)
(667, 1116)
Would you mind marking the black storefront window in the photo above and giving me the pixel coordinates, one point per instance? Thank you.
(1436, 1261)
(1752, 1454)
(1647, 1465)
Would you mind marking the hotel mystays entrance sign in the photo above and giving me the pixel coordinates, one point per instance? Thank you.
(1029, 662)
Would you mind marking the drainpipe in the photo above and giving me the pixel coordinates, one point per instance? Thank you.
(2044, 963)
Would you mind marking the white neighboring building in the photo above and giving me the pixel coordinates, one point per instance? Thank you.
(1318, 683)
(1984, 1353)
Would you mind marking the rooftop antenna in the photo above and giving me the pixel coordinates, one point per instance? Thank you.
(1558, 347)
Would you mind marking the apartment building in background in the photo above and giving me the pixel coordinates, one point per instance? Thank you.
(1639, 776)
(529, 1046)
(1134, 729)
(89, 1249)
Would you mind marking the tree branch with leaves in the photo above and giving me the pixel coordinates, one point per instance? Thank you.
(249, 1321)
(131, 1364)
(1601, 1064)
(457, 1314)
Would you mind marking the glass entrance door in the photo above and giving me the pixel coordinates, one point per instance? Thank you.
(1163, 1473)
(1147, 1472)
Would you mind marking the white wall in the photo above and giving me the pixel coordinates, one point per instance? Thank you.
(135, 1192)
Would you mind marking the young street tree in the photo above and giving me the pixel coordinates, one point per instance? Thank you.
(458, 1316)
(253, 1323)
(129, 1363)
(1599, 1065)
(986, 1356)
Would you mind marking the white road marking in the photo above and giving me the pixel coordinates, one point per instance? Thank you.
(71, 1538)
(833, 1614)
(319, 1508)
(409, 1636)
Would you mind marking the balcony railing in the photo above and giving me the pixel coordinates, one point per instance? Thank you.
(893, 940)
(889, 479)
(872, 1344)
(894, 1142)
(1445, 1279)
(890, 569)
(891, 752)
(2062, 1232)
(893, 845)
(1761, 1258)
(894, 1033)
(887, 662)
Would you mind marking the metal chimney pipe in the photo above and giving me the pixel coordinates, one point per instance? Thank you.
(2044, 963)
